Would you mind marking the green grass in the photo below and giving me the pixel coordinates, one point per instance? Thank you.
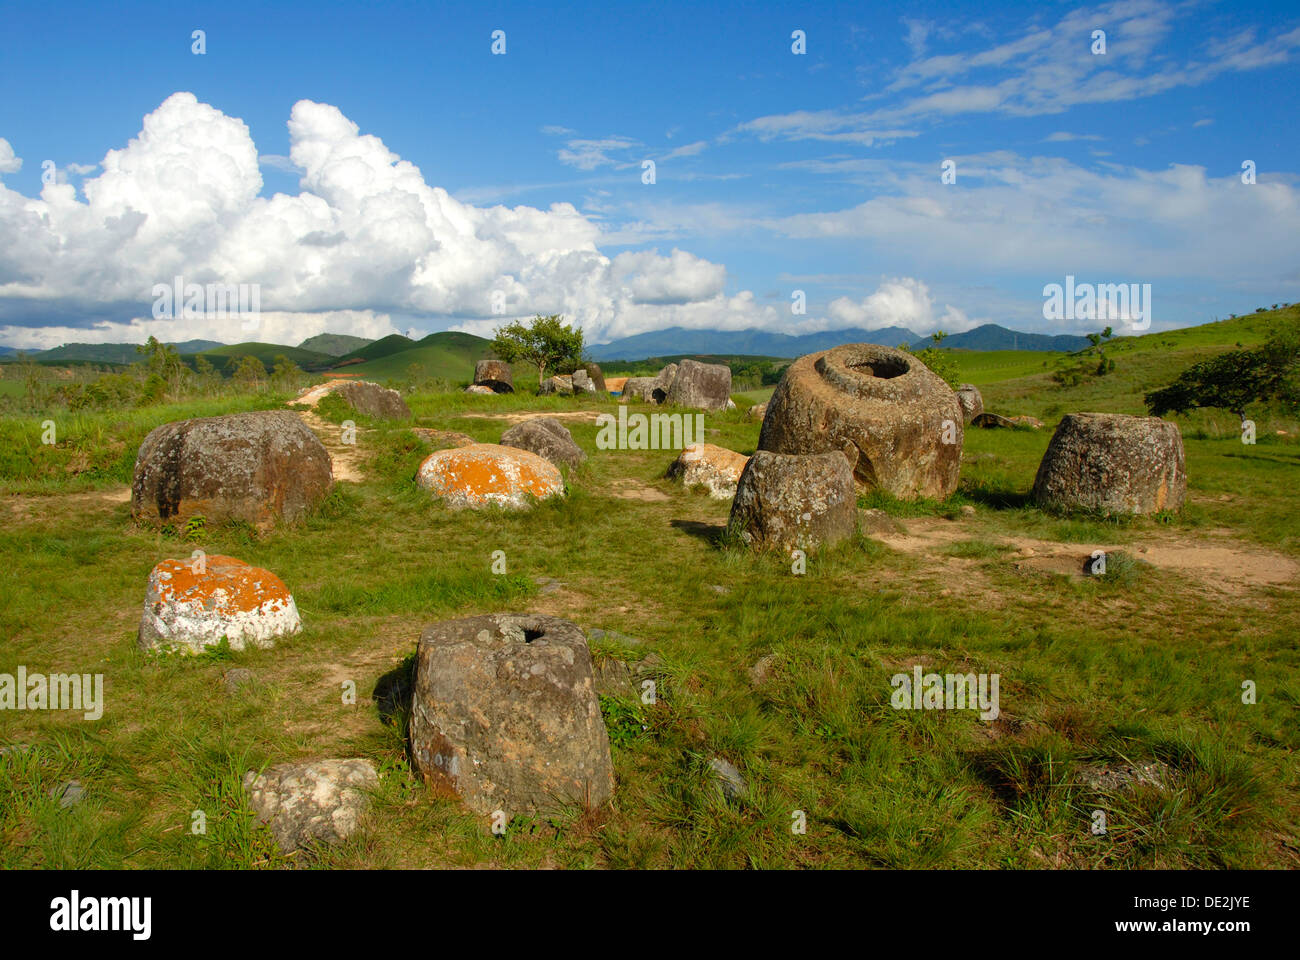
(1143, 665)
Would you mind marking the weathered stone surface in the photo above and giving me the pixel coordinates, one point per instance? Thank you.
(319, 801)
(372, 400)
(487, 473)
(1112, 463)
(728, 778)
(560, 383)
(989, 421)
(546, 437)
(972, 403)
(757, 412)
(701, 386)
(597, 377)
(446, 438)
(882, 408)
(715, 468)
(1024, 421)
(236, 679)
(640, 388)
(496, 375)
(479, 388)
(257, 467)
(505, 714)
(193, 604)
(582, 383)
(786, 500)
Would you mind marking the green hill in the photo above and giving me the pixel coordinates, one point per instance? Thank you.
(309, 360)
(448, 355)
(393, 343)
(1142, 363)
(111, 352)
(334, 344)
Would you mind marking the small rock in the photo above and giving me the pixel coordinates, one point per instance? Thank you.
(596, 634)
(488, 474)
(762, 670)
(728, 778)
(1108, 778)
(479, 388)
(968, 510)
(719, 588)
(318, 800)
(548, 584)
(715, 468)
(546, 437)
(236, 678)
(68, 794)
(611, 677)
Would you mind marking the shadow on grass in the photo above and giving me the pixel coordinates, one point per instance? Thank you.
(713, 534)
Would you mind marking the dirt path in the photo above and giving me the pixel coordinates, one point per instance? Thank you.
(345, 457)
(533, 415)
(1225, 565)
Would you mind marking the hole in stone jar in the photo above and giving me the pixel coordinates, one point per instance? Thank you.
(531, 635)
(883, 368)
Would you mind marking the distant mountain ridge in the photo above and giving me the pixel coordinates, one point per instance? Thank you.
(111, 352)
(678, 340)
(334, 344)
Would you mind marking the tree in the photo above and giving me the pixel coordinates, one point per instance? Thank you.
(1077, 367)
(1235, 379)
(284, 372)
(938, 337)
(546, 342)
(163, 363)
(206, 374)
(249, 372)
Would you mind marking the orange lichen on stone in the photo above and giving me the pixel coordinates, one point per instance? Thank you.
(232, 583)
(488, 473)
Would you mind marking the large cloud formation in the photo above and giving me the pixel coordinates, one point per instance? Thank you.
(366, 240)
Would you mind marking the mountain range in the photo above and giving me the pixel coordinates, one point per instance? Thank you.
(450, 354)
(677, 340)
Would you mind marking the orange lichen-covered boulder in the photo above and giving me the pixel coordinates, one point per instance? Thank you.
(257, 467)
(193, 604)
(487, 473)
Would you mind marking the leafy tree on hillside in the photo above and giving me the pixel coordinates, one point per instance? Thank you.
(249, 372)
(1234, 380)
(285, 373)
(1077, 367)
(545, 342)
(165, 372)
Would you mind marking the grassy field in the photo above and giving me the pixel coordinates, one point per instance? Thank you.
(1142, 666)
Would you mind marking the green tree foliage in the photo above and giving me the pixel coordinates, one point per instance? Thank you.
(939, 361)
(249, 372)
(165, 373)
(1089, 362)
(1234, 380)
(545, 343)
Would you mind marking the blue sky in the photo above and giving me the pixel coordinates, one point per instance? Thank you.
(376, 168)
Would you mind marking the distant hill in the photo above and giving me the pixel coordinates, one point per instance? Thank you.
(393, 343)
(990, 336)
(223, 355)
(448, 355)
(112, 352)
(334, 344)
(678, 340)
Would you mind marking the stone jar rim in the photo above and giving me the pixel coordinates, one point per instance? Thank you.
(867, 370)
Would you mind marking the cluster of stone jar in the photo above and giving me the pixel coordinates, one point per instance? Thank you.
(504, 711)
